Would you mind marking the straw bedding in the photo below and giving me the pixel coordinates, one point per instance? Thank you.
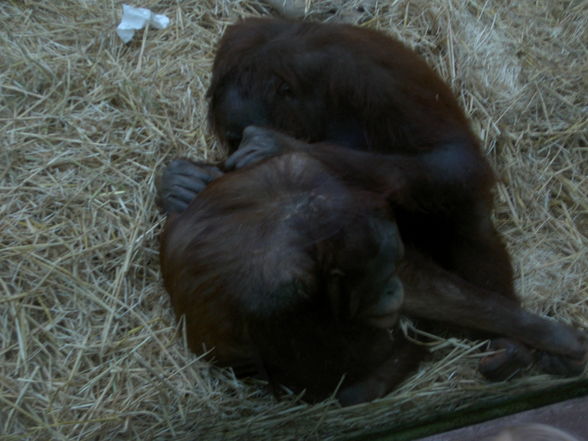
(89, 347)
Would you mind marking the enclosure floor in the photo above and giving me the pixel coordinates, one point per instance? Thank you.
(570, 416)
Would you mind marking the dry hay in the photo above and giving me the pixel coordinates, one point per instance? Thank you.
(89, 347)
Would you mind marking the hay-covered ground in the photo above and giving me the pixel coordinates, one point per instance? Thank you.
(89, 348)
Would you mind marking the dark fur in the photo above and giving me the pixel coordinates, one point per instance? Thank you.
(287, 269)
(267, 288)
(366, 91)
(278, 268)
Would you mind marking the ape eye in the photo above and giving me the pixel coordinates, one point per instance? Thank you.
(336, 272)
(285, 90)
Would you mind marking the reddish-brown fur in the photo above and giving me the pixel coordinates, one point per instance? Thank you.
(271, 300)
(288, 270)
(285, 271)
(361, 89)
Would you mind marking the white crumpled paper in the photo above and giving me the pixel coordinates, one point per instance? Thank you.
(134, 19)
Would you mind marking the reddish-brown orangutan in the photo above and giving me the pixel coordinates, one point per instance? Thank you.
(390, 123)
(284, 271)
(363, 90)
(290, 270)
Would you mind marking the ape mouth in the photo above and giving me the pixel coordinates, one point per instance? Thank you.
(383, 321)
(233, 139)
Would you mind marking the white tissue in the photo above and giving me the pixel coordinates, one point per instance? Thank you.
(134, 19)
